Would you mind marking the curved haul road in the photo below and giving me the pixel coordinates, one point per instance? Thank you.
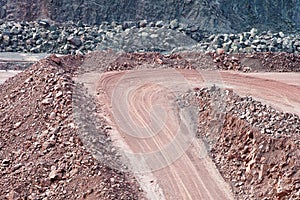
(140, 107)
(158, 134)
(4, 75)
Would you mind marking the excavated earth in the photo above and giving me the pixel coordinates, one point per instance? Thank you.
(247, 126)
(42, 156)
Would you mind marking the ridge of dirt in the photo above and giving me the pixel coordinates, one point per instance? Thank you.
(269, 61)
(258, 162)
(246, 62)
(129, 61)
(41, 154)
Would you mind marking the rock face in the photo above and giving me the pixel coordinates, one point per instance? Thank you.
(214, 16)
(263, 14)
(23, 10)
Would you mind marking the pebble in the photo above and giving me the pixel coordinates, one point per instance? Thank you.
(47, 101)
(5, 162)
(17, 125)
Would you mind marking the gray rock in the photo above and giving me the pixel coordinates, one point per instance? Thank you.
(15, 30)
(256, 42)
(297, 43)
(128, 24)
(235, 48)
(44, 23)
(217, 41)
(247, 43)
(159, 24)
(74, 41)
(226, 46)
(281, 34)
(272, 49)
(174, 24)
(143, 23)
(6, 40)
(147, 39)
(253, 32)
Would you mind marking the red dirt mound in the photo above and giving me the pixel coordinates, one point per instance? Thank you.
(259, 164)
(41, 155)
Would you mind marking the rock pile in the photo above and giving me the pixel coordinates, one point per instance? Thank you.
(255, 147)
(148, 39)
(253, 41)
(71, 38)
(38, 37)
(115, 61)
(41, 154)
(246, 42)
(129, 61)
(271, 62)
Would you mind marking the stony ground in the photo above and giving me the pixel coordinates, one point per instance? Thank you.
(256, 149)
(42, 156)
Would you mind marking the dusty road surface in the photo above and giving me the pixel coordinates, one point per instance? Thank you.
(7, 74)
(21, 57)
(140, 107)
(160, 136)
(280, 90)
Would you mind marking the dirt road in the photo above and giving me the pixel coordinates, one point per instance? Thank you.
(158, 135)
(141, 109)
(6, 74)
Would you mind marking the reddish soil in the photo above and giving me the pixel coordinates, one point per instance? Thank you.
(42, 153)
(143, 89)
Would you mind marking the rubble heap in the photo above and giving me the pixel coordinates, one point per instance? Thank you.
(41, 154)
(255, 147)
(270, 62)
